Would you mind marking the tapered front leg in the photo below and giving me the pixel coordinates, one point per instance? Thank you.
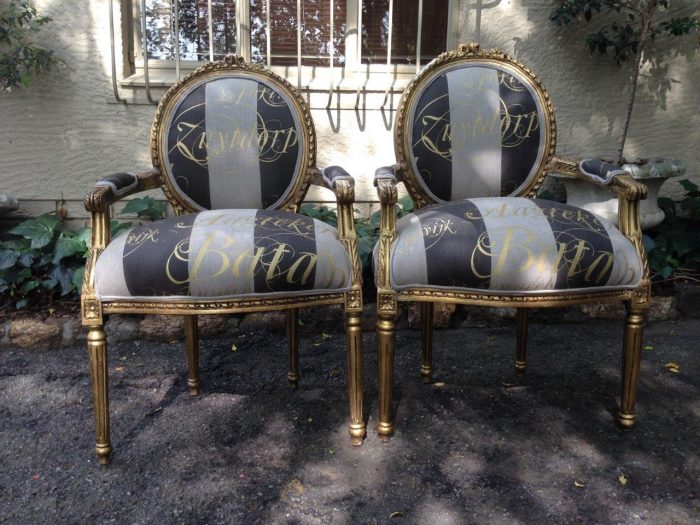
(293, 346)
(521, 342)
(426, 317)
(97, 352)
(192, 342)
(631, 355)
(386, 335)
(354, 348)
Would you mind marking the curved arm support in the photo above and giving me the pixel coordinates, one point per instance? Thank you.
(385, 180)
(629, 192)
(110, 189)
(342, 184)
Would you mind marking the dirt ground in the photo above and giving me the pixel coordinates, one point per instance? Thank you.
(479, 445)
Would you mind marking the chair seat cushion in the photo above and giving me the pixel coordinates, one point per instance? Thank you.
(511, 244)
(224, 253)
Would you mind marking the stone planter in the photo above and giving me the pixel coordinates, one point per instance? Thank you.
(602, 202)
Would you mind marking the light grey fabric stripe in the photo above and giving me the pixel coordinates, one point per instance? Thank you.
(627, 266)
(231, 114)
(333, 266)
(408, 257)
(109, 270)
(524, 254)
(222, 253)
(475, 125)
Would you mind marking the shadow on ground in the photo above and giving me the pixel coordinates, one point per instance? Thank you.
(477, 446)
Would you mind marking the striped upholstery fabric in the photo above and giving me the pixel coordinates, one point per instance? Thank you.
(511, 244)
(475, 131)
(224, 253)
(233, 142)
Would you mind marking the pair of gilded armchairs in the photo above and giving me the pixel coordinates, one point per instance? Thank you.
(234, 151)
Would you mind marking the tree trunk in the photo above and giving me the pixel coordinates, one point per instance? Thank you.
(647, 17)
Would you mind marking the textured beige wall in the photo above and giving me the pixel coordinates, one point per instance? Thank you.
(63, 132)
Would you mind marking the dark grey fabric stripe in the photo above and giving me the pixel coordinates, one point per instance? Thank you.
(456, 231)
(232, 142)
(279, 145)
(187, 148)
(155, 257)
(285, 252)
(585, 251)
(520, 129)
(430, 139)
(475, 109)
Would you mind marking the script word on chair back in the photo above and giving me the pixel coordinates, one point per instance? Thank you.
(233, 138)
(476, 127)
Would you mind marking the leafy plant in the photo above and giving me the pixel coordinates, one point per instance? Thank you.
(146, 208)
(673, 247)
(42, 260)
(20, 59)
(633, 24)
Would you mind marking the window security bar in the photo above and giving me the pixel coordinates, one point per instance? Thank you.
(113, 55)
(175, 26)
(144, 52)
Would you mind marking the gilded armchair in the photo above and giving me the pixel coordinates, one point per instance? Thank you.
(474, 139)
(234, 150)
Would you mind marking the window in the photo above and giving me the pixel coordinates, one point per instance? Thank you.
(321, 52)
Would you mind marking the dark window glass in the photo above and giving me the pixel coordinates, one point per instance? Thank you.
(375, 30)
(315, 31)
(193, 28)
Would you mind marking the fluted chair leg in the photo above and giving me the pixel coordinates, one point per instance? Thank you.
(386, 336)
(97, 352)
(192, 343)
(293, 346)
(427, 310)
(354, 349)
(631, 355)
(521, 341)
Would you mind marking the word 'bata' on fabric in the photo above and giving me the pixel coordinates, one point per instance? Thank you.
(511, 244)
(224, 253)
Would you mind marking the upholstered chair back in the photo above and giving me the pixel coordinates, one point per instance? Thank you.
(474, 124)
(233, 136)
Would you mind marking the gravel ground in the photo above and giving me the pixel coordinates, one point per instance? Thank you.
(478, 446)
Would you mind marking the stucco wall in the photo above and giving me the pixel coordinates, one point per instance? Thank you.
(63, 132)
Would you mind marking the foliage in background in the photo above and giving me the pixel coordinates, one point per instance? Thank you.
(20, 59)
(367, 230)
(673, 246)
(42, 260)
(632, 25)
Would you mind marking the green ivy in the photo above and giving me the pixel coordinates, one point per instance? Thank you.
(673, 247)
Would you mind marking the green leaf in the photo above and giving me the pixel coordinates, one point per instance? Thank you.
(117, 227)
(39, 230)
(8, 258)
(77, 278)
(67, 246)
(64, 277)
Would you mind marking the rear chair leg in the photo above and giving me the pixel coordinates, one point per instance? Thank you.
(354, 345)
(192, 341)
(521, 342)
(631, 355)
(97, 352)
(293, 346)
(426, 315)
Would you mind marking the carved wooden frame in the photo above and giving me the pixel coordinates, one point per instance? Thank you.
(99, 201)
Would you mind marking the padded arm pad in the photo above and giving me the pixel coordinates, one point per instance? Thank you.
(384, 173)
(600, 171)
(120, 183)
(335, 173)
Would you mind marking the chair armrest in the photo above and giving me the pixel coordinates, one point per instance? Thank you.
(385, 181)
(112, 188)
